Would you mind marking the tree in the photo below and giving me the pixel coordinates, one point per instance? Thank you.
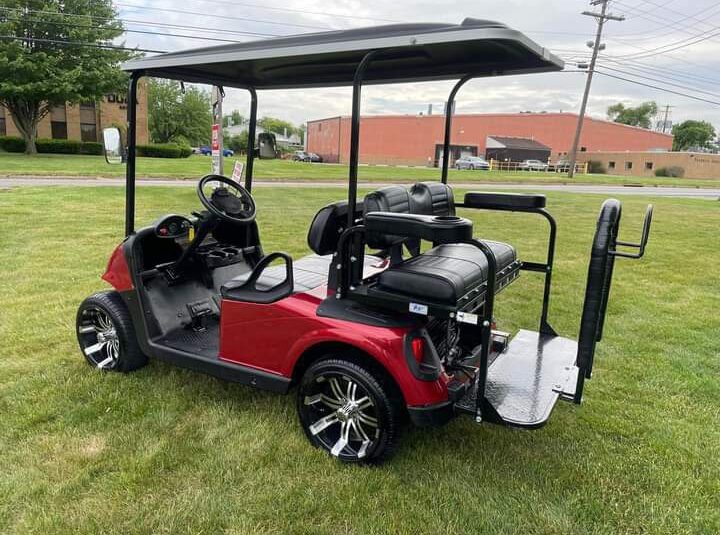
(640, 116)
(37, 74)
(177, 116)
(692, 134)
(237, 119)
(238, 143)
(277, 126)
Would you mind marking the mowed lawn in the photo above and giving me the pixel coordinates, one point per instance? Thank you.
(197, 166)
(164, 450)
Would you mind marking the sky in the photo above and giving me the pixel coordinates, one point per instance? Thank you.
(665, 44)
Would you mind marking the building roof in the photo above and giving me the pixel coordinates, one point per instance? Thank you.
(516, 143)
(415, 52)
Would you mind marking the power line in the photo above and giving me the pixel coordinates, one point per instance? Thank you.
(300, 11)
(141, 22)
(125, 30)
(664, 71)
(77, 43)
(645, 77)
(658, 88)
(225, 17)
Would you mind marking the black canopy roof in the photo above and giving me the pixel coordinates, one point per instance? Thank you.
(414, 53)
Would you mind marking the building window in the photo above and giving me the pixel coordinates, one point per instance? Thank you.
(611, 165)
(88, 122)
(628, 166)
(58, 122)
(583, 149)
(3, 128)
(648, 166)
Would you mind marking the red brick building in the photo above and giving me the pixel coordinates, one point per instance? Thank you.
(417, 139)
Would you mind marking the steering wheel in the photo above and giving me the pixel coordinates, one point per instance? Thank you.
(228, 201)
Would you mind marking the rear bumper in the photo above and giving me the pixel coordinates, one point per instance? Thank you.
(432, 415)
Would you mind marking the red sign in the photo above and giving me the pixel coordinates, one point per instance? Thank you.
(216, 137)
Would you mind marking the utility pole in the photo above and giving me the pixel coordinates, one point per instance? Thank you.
(216, 147)
(601, 18)
(665, 120)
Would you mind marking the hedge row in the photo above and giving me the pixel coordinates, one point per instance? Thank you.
(69, 146)
(167, 150)
(52, 146)
(674, 171)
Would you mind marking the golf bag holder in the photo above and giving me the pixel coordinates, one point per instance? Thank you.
(599, 280)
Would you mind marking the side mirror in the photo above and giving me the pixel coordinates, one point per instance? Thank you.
(114, 151)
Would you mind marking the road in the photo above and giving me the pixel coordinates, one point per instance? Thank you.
(697, 193)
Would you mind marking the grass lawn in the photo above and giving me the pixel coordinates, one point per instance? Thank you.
(197, 166)
(165, 450)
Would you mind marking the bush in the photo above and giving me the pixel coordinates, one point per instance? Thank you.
(596, 168)
(166, 150)
(58, 146)
(674, 171)
(52, 146)
(12, 144)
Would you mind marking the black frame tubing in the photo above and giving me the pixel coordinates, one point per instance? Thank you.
(252, 126)
(537, 267)
(131, 152)
(448, 124)
(355, 134)
(485, 330)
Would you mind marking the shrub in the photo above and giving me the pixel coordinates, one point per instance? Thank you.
(58, 146)
(674, 171)
(185, 151)
(12, 144)
(167, 150)
(596, 168)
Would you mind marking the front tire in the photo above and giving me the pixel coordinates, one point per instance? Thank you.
(106, 334)
(348, 411)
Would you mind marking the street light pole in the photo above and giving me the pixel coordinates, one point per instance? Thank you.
(601, 18)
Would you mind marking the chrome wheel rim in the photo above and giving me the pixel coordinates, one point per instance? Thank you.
(341, 415)
(98, 338)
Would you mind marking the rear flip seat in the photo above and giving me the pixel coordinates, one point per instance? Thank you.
(446, 273)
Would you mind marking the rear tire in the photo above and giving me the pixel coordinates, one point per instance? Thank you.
(348, 411)
(106, 334)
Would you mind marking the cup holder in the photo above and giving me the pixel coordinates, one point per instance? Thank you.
(447, 218)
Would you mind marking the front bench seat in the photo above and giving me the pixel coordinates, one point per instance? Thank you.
(313, 270)
(446, 273)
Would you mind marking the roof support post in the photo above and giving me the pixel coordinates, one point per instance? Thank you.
(251, 139)
(131, 153)
(355, 133)
(448, 123)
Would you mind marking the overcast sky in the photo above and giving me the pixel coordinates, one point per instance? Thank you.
(673, 44)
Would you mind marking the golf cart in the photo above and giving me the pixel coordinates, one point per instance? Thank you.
(375, 326)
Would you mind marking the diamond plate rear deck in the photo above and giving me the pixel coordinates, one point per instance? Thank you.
(525, 382)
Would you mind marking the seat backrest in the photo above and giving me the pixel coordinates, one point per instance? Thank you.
(432, 198)
(395, 199)
(327, 226)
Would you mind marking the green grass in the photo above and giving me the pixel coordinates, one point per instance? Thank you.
(197, 166)
(165, 450)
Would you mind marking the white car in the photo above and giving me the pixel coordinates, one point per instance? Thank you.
(533, 165)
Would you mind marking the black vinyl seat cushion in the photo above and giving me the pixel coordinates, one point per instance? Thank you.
(309, 272)
(446, 273)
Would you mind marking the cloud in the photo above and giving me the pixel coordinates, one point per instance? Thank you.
(556, 24)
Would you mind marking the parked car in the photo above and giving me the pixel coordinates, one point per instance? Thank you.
(207, 151)
(303, 156)
(562, 166)
(472, 163)
(532, 165)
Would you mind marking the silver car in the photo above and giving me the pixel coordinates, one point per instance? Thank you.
(472, 163)
(533, 165)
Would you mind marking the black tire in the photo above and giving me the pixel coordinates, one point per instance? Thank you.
(326, 411)
(106, 334)
(472, 168)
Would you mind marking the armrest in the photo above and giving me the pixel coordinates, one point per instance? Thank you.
(504, 201)
(248, 290)
(437, 229)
